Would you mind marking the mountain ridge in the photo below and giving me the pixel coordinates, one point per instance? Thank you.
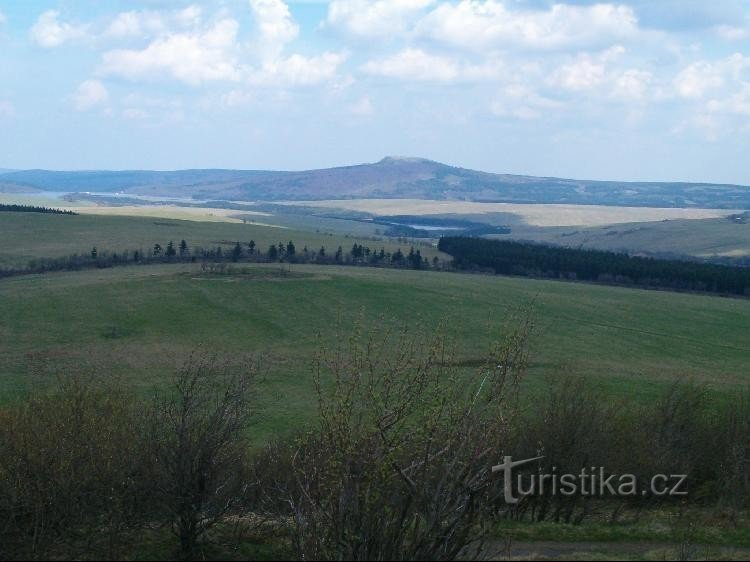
(391, 177)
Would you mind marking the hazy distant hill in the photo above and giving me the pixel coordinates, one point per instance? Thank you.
(389, 178)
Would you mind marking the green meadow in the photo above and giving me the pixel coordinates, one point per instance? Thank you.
(138, 323)
(25, 236)
(135, 325)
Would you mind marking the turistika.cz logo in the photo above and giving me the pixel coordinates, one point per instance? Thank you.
(592, 481)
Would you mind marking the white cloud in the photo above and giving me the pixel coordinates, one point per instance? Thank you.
(135, 24)
(415, 64)
(582, 74)
(184, 48)
(374, 18)
(149, 23)
(298, 70)
(602, 74)
(191, 57)
(587, 71)
(89, 94)
(480, 25)
(632, 84)
(521, 102)
(3, 19)
(737, 103)
(697, 79)
(189, 16)
(49, 31)
(276, 29)
(720, 94)
(275, 24)
(702, 77)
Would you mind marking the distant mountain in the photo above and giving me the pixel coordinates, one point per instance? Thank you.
(392, 177)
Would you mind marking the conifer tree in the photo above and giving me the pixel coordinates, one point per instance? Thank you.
(236, 252)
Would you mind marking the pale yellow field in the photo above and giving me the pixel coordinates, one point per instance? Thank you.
(535, 215)
(202, 214)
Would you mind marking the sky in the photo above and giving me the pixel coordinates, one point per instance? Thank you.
(630, 90)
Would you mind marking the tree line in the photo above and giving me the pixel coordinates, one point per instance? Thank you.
(468, 254)
(536, 260)
(34, 209)
(182, 252)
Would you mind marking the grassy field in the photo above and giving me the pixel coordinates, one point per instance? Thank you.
(535, 215)
(138, 323)
(703, 233)
(24, 236)
(705, 238)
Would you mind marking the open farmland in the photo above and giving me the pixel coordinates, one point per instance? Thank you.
(535, 215)
(26, 236)
(134, 326)
(702, 238)
(140, 322)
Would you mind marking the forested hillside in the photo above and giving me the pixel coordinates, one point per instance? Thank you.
(516, 258)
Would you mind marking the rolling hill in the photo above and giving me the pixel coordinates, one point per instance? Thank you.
(392, 177)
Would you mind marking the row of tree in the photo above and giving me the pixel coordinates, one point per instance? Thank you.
(469, 254)
(182, 252)
(288, 253)
(34, 209)
(527, 259)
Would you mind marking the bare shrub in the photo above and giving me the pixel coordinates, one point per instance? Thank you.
(576, 426)
(675, 426)
(399, 465)
(197, 447)
(69, 468)
(727, 452)
(572, 427)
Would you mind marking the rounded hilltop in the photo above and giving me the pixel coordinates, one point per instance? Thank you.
(405, 159)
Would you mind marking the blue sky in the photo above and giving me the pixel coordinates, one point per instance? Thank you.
(629, 90)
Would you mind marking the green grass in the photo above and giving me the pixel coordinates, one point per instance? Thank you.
(24, 236)
(138, 323)
(703, 238)
(656, 534)
(653, 526)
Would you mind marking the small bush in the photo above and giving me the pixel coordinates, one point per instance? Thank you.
(398, 466)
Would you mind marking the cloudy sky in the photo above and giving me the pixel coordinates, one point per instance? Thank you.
(633, 90)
